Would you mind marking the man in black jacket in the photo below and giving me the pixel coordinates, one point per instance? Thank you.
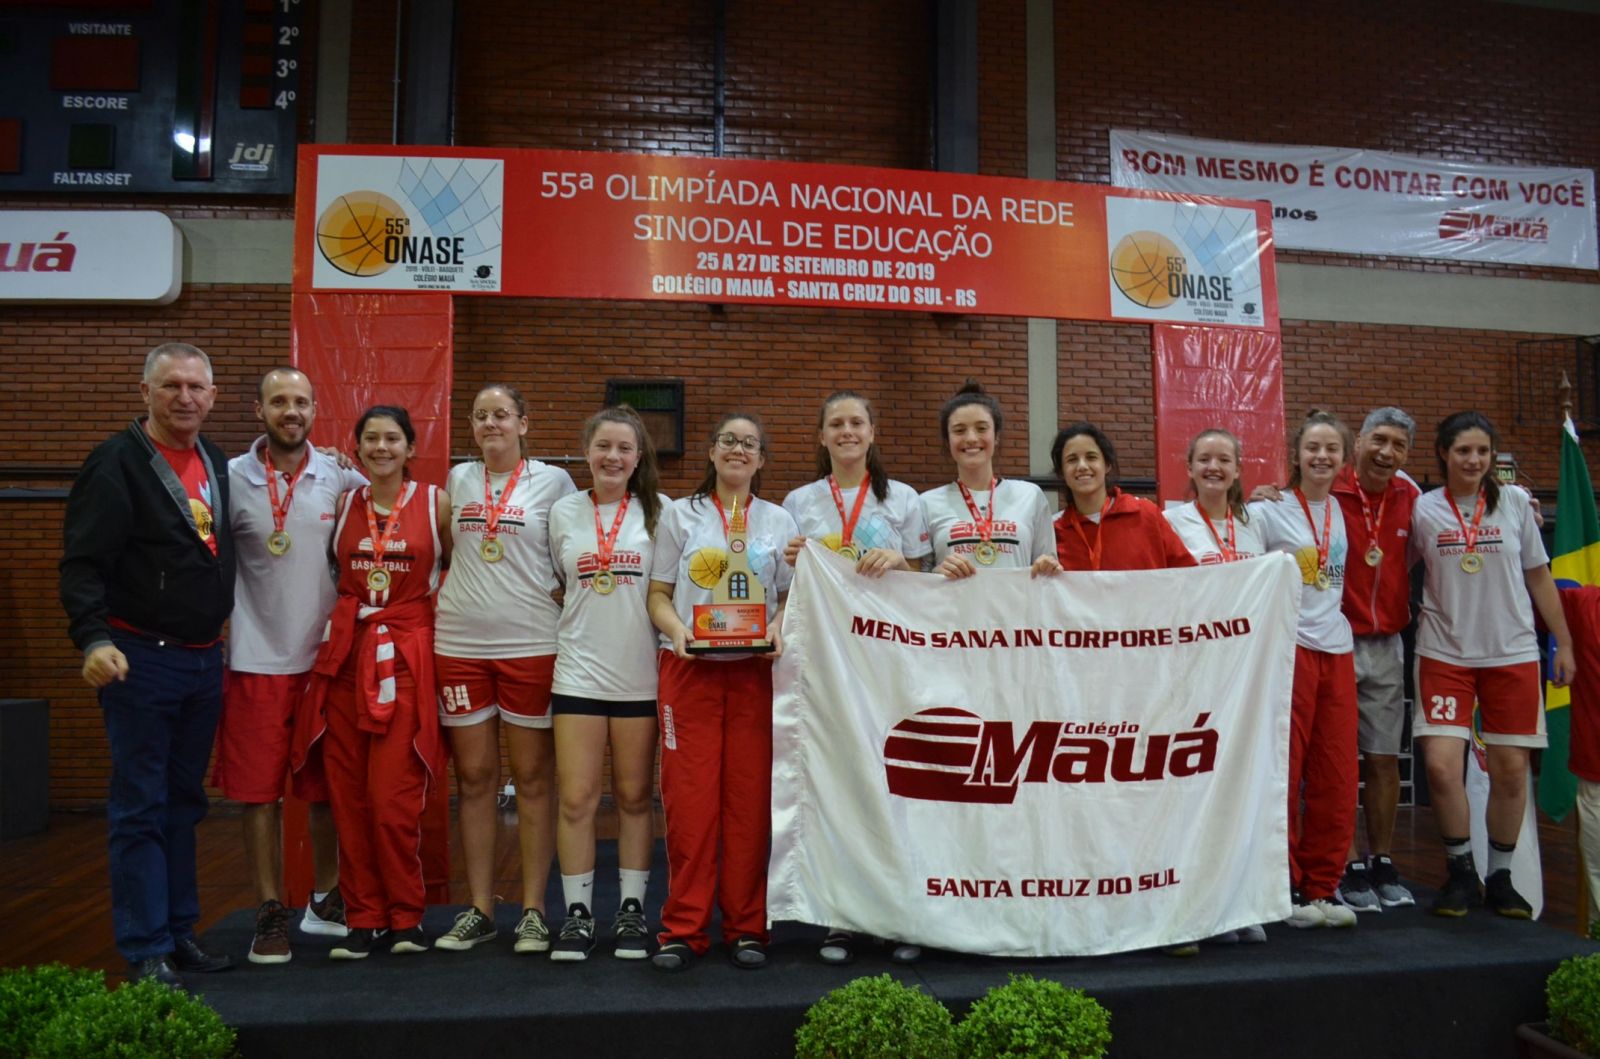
(147, 573)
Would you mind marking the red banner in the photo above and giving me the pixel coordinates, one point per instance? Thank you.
(571, 224)
(1217, 377)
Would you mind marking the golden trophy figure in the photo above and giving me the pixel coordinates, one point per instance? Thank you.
(736, 617)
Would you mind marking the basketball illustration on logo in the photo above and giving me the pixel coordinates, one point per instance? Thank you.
(351, 231)
(1141, 265)
(929, 756)
(706, 566)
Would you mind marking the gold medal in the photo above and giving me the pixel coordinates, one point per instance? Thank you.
(986, 553)
(850, 551)
(278, 542)
(491, 549)
(1323, 582)
(378, 579)
(1471, 562)
(1374, 555)
(603, 582)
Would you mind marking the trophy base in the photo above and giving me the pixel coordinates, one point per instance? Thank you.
(713, 647)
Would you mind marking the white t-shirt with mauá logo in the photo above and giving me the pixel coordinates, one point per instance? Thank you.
(894, 523)
(606, 645)
(1323, 626)
(502, 609)
(1022, 530)
(691, 553)
(1486, 618)
(1201, 539)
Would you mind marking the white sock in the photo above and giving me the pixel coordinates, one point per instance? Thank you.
(317, 898)
(578, 890)
(1500, 856)
(633, 884)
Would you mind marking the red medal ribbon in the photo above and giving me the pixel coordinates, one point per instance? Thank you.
(280, 512)
(1228, 550)
(1077, 520)
(494, 508)
(1373, 524)
(984, 522)
(1470, 536)
(1327, 528)
(848, 525)
(607, 542)
(380, 545)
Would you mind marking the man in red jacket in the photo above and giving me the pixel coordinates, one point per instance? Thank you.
(1376, 500)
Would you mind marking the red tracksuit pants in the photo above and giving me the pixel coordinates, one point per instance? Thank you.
(377, 786)
(716, 788)
(1322, 753)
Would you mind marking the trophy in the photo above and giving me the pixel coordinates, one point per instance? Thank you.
(736, 617)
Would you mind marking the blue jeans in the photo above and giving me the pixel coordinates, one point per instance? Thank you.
(160, 722)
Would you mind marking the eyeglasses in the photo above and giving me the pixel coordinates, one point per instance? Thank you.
(729, 442)
(501, 416)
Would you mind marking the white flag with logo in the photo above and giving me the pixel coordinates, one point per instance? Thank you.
(1074, 765)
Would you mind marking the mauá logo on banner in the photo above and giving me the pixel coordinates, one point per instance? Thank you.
(948, 754)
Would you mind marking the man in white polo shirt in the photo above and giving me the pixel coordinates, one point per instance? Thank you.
(282, 520)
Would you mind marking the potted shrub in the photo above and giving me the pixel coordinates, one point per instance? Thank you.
(1031, 1016)
(144, 1020)
(31, 996)
(876, 1018)
(1572, 1003)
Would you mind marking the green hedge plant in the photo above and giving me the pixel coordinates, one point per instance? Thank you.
(876, 1018)
(31, 996)
(1034, 1017)
(1572, 998)
(144, 1020)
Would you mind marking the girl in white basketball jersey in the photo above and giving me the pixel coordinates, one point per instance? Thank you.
(495, 649)
(853, 507)
(716, 709)
(603, 540)
(981, 521)
(1305, 522)
(1483, 561)
(1216, 527)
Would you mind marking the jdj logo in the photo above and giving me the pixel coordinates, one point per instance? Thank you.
(947, 754)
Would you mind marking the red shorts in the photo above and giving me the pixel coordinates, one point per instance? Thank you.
(1508, 699)
(472, 690)
(253, 740)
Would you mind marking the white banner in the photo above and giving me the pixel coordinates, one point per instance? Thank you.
(1370, 202)
(1077, 765)
(89, 256)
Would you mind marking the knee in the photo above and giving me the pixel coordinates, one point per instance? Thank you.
(633, 799)
(533, 777)
(476, 781)
(1508, 778)
(579, 801)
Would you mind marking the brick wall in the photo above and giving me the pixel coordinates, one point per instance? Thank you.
(840, 82)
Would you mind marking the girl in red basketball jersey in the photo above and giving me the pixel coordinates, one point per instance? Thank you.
(1101, 527)
(370, 702)
(716, 709)
(1483, 563)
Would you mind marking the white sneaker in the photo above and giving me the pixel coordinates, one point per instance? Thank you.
(1256, 934)
(1309, 915)
(1335, 914)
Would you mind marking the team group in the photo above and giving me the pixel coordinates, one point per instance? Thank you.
(566, 617)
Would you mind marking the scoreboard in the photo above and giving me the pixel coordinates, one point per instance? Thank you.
(191, 97)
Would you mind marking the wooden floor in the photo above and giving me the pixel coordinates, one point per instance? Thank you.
(54, 893)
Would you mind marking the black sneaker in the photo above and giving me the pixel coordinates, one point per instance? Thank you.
(1502, 897)
(408, 941)
(1392, 893)
(1459, 893)
(577, 935)
(271, 943)
(1355, 889)
(471, 928)
(633, 936)
(359, 943)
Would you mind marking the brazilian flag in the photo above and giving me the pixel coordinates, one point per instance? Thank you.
(1576, 562)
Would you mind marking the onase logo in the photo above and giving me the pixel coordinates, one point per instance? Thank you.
(947, 754)
(1142, 266)
(351, 232)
